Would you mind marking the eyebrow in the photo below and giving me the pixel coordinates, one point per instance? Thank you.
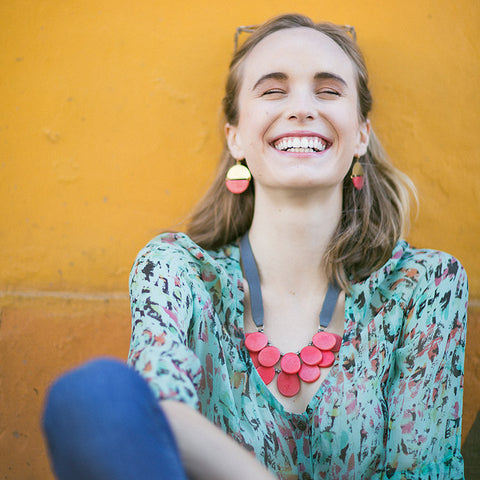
(284, 76)
(330, 76)
(274, 75)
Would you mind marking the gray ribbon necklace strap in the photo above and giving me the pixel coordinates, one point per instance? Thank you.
(253, 280)
(256, 302)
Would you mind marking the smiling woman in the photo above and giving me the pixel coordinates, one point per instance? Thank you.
(371, 222)
(292, 316)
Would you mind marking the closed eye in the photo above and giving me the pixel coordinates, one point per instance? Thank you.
(273, 91)
(328, 92)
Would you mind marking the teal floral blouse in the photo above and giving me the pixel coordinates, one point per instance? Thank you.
(391, 406)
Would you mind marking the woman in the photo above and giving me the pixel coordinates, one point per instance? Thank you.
(309, 255)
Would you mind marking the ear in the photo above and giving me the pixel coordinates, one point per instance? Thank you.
(363, 138)
(234, 142)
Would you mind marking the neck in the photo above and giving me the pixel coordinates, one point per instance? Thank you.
(294, 230)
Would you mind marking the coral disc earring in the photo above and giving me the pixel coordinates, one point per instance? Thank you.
(238, 178)
(357, 176)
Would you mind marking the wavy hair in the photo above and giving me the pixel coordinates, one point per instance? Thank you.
(372, 219)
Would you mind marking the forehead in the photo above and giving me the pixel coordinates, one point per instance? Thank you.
(295, 51)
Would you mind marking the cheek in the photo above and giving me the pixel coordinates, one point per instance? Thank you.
(348, 124)
(253, 128)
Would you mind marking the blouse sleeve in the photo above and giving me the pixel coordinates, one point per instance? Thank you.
(161, 305)
(425, 399)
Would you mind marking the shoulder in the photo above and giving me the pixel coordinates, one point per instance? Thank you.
(411, 272)
(427, 267)
(415, 291)
(177, 252)
(441, 290)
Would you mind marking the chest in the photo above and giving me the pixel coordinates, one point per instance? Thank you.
(291, 329)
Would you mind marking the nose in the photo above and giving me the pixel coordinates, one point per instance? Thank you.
(301, 107)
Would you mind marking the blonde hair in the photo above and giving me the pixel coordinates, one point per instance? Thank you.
(372, 220)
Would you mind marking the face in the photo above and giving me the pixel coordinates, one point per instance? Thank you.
(299, 125)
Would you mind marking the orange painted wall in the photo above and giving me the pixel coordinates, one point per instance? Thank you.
(109, 133)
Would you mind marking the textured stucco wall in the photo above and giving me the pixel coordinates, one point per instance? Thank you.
(109, 132)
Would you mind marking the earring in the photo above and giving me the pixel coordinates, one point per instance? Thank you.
(357, 177)
(238, 178)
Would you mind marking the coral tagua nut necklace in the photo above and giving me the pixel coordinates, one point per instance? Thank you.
(306, 364)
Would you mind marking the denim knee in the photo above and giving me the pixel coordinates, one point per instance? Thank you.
(102, 421)
(92, 392)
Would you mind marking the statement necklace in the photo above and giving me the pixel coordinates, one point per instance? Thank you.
(304, 365)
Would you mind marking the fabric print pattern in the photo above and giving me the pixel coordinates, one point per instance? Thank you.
(391, 406)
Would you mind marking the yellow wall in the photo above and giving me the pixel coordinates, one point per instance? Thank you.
(109, 132)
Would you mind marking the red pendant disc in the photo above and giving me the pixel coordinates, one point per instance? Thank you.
(288, 385)
(328, 358)
(255, 341)
(269, 356)
(311, 355)
(309, 373)
(254, 357)
(290, 363)
(338, 343)
(266, 373)
(324, 340)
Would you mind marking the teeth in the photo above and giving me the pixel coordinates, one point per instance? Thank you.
(300, 144)
(301, 150)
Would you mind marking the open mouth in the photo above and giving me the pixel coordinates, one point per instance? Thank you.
(300, 144)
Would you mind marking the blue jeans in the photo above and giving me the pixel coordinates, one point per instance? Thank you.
(102, 422)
